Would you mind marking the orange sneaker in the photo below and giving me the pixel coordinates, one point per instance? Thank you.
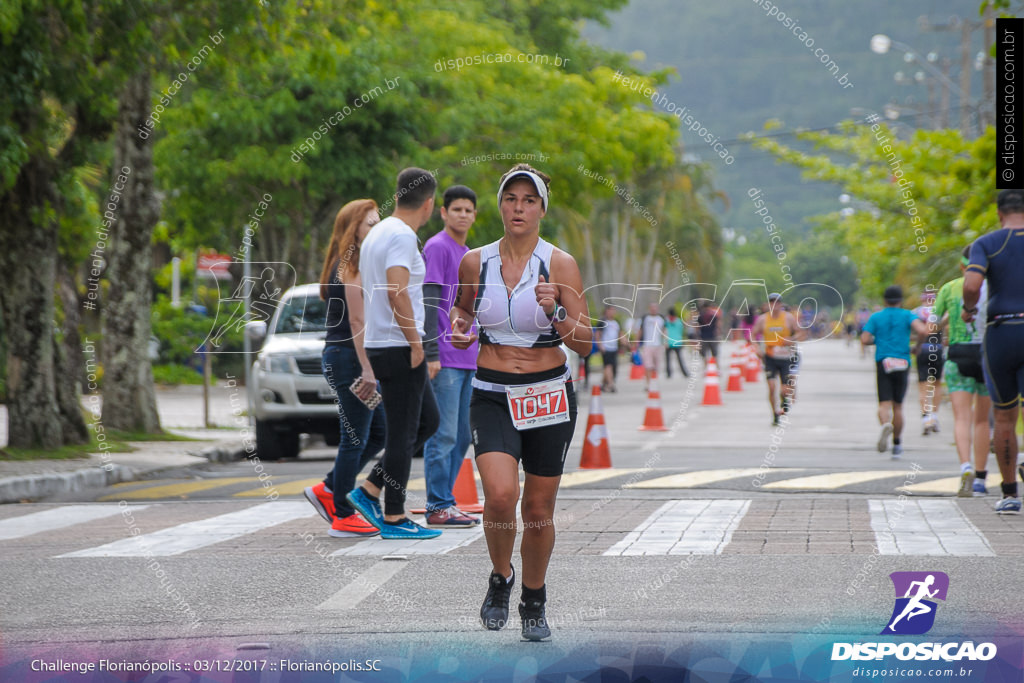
(322, 499)
(352, 526)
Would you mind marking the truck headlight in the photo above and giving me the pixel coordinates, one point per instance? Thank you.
(276, 362)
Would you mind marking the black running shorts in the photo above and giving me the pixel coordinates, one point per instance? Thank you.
(541, 450)
(929, 366)
(892, 386)
(1003, 357)
(777, 367)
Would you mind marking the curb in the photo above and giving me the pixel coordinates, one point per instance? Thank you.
(34, 486)
(222, 453)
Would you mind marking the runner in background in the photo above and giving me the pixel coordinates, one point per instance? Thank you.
(707, 324)
(996, 259)
(609, 337)
(965, 381)
(675, 335)
(928, 359)
(778, 332)
(863, 313)
(889, 330)
(650, 342)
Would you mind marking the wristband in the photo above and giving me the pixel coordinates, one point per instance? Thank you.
(970, 310)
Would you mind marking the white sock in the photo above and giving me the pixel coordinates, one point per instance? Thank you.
(964, 466)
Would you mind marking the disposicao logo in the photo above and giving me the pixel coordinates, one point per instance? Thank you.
(914, 612)
(913, 615)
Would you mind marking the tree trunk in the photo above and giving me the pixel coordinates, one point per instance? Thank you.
(28, 267)
(69, 362)
(129, 401)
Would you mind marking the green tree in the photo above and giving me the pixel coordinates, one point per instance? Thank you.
(55, 73)
(272, 127)
(916, 201)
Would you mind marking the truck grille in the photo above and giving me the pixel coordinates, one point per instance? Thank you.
(309, 365)
(311, 398)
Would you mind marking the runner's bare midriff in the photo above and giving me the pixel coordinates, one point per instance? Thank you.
(518, 359)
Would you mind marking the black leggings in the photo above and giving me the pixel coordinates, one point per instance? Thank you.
(678, 351)
(412, 418)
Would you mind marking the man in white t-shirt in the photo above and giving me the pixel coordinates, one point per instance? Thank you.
(392, 270)
(651, 341)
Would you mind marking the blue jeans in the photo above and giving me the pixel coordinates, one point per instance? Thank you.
(362, 432)
(445, 450)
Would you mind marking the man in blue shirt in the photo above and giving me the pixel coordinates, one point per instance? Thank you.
(998, 258)
(889, 330)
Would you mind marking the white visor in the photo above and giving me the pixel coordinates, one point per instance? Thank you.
(542, 189)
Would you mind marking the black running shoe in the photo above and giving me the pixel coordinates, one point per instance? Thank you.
(494, 612)
(785, 404)
(535, 624)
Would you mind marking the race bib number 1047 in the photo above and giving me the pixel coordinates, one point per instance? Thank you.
(538, 405)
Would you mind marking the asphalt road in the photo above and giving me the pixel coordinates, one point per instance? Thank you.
(686, 548)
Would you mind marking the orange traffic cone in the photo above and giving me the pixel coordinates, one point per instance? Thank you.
(596, 454)
(712, 393)
(636, 371)
(753, 364)
(735, 374)
(465, 488)
(653, 419)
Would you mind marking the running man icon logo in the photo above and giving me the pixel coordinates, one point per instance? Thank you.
(914, 612)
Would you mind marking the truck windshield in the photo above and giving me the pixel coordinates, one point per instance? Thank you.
(302, 314)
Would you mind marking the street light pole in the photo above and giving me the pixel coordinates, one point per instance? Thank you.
(881, 43)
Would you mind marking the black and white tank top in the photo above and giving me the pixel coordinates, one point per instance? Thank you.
(516, 319)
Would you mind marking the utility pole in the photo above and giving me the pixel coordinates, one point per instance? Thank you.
(966, 28)
(965, 74)
(988, 71)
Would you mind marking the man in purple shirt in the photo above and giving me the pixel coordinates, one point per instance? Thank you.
(444, 452)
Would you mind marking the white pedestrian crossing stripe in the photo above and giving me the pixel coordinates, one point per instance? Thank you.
(57, 518)
(925, 527)
(201, 533)
(684, 527)
(901, 526)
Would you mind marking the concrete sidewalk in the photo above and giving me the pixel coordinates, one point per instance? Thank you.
(181, 413)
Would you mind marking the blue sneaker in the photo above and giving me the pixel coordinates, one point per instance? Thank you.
(1008, 506)
(979, 488)
(406, 529)
(897, 451)
(367, 507)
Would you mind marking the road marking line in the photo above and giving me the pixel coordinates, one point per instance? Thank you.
(363, 586)
(581, 477)
(951, 484)
(58, 518)
(448, 541)
(834, 480)
(925, 527)
(704, 477)
(201, 533)
(177, 490)
(684, 527)
(289, 488)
